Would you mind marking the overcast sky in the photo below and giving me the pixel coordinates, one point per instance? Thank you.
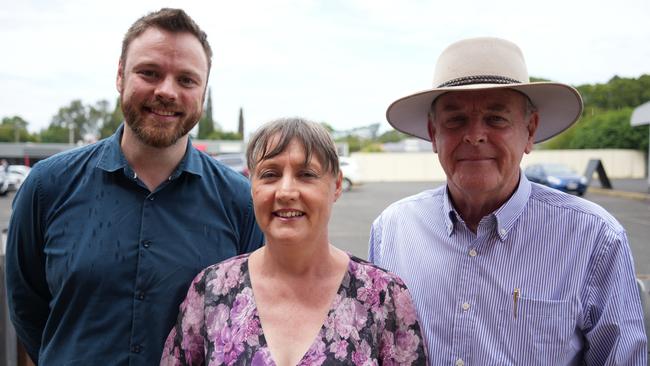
(341, 62)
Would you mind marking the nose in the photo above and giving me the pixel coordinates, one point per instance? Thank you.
(287, 189)
(166, 90)
(475, 133)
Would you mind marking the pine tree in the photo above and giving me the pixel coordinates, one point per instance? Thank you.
(240, 128)
(206, 124)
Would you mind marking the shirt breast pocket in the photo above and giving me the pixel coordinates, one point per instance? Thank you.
(538, 330)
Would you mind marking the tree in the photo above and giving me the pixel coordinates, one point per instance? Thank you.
(77, 118)
(391, 136)
(206, 123)
(225, 135)
(14, 129)
(240, 126)
(602, 130)
(55, 134)
(327, 126)
(116, 118)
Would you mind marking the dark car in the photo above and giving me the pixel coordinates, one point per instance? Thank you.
(236, 162)
(558, 176)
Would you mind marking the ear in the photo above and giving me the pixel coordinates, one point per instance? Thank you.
(339, 186)
(432, 133)
(120, 76)
(533, 122)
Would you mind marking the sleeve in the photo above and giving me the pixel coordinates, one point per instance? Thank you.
(28, 294)
(401, 341)
(185, 342)
(252, 237)
(615, 332)
(374, 244)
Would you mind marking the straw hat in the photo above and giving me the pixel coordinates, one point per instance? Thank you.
(487, 63)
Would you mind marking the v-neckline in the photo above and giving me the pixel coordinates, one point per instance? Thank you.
(263, 342)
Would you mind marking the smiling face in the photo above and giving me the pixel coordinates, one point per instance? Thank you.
(293, 199)
(480, 137)
(162, 84)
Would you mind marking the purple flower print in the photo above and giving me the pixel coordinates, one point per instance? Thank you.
(262, 358)
(243, 308)
(339, 349)
(361, 357)
(372, 321)
(349, 317)
(227, 347)
(406, 346)
(404, 308)
(315, 356)
(217, 319)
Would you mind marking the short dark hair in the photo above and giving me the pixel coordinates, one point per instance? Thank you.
(273, 138)
(172, 20)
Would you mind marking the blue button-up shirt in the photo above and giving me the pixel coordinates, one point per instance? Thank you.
(547, 279)
(97, 265)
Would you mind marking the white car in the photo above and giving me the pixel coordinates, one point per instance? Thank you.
(350, 172)
(16, 174)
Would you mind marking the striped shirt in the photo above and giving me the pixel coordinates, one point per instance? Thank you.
(547, 279)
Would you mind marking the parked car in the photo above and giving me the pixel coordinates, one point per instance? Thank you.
(558, 176)
(16, 174)
(350, 172)
(237, 162)
(4, 182)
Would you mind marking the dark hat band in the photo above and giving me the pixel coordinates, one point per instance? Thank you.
(479, 79)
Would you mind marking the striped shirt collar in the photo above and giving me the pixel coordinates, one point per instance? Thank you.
(505, 216)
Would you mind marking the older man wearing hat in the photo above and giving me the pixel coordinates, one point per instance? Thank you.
(504, 271)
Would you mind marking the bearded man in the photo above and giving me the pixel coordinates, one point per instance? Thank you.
(105, 239)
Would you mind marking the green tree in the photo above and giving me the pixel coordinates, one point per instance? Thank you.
(14, 129)
(224, 135)
(391, 136)
(605, 129)
(328, 127)
(240, 125)
(115, 119)
(76, 117)
(55, 133)
(206, 123)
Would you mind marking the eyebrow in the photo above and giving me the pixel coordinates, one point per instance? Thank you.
(497, 107)
(154, 65)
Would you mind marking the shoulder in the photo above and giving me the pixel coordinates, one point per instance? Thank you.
(223, 177)
(70, 158)
(63, 169)
(415, 204)
(544, 201)
(231, 269)
(373, 275)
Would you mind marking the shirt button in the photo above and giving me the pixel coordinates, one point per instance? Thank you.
(460, 362)
(503, 231)
(465, 306)
(151, 198)
(136, 348)
(146, 243)
(472, 252)
(140, 295)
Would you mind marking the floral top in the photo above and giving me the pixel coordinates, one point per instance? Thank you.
(371, 321)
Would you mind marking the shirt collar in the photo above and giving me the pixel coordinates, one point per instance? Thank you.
(505, 216)
(112, 159)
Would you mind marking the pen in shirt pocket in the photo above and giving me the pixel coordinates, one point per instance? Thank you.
(516, 294)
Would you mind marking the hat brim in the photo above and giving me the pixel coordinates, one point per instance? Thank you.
(559, 106)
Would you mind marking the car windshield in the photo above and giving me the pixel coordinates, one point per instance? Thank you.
(558, 169)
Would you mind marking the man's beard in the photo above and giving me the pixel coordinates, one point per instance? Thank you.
(154, 133)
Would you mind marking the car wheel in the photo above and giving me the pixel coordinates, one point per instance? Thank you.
(346, 185)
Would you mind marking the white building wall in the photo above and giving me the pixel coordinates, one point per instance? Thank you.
(413, 167)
